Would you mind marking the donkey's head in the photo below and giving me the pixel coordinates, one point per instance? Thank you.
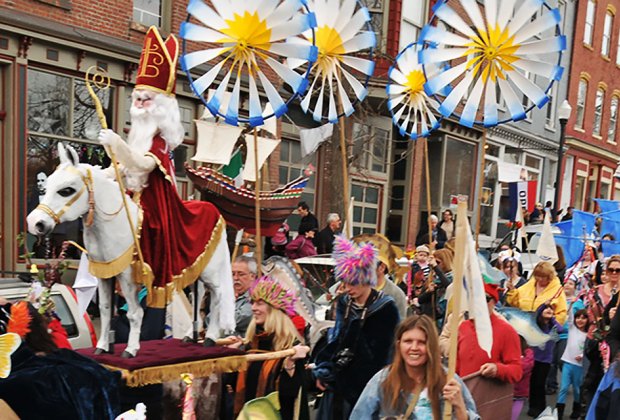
(68, 194)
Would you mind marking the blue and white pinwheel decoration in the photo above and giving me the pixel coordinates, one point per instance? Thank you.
(490, 57)
(343, 30)
(246, 38)
(411, 108)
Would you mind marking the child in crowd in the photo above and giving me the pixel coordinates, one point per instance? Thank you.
(573, 303)
(522, 388)
(545, 319)
(572, 369)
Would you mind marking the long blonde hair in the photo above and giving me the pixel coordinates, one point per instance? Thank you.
(434, 378)
(285, 334)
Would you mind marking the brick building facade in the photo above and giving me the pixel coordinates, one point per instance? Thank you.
(591, 132)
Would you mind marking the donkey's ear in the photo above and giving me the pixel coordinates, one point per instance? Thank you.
(62, 153)
(73, 156)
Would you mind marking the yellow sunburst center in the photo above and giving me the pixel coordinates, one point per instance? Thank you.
(248, 32)
(415, 82)
(493, 53)
(330, 47)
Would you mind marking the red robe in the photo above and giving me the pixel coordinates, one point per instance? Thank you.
(177, 237)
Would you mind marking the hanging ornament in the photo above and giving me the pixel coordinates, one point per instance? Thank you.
(246, 39)
(491, 53)
(343, 31)
(411, 108)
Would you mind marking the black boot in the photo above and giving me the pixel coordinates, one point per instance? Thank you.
(560, 408)
(576, 411)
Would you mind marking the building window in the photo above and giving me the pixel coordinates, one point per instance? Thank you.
(581, 102)
(147, 12)
(589, 26)
(60, 109)
(412, 14)
(459, 172)
(606, 43)
(365, 208)
(598, 112)
(613, 120)
(291, 167)
(375, 7)
(370, 147)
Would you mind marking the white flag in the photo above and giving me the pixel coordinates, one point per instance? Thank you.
(265, 148)
(546, 250)
(85, 284)
(312, 138)
(521, 230)
(216, 142)
(476, 297)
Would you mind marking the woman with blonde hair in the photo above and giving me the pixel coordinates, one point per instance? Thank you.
(271, 329)
(414, 385)
(543, 287)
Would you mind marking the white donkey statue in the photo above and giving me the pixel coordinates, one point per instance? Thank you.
(76, 190)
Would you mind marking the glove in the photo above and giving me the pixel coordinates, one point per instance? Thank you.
(109, 138)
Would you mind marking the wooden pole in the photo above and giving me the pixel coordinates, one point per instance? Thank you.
(345, 175)
(258, 240)
(428, 195)
(345, 163)
(238, 237)
(480, 181)
(459, 259)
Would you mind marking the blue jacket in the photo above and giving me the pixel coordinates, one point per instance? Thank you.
(606, 401)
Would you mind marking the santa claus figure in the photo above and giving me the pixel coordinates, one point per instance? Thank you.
(174, 234)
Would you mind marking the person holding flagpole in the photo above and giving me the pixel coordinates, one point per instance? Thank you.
(503, 364)
(414, 385)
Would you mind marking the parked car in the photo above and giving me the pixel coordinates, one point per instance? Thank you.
(79, 327)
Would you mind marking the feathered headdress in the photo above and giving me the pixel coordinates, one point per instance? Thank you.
(355, 263)
(272, 292)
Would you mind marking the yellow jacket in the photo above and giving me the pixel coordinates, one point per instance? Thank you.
(525, 298)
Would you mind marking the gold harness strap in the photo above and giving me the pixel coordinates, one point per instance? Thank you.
(88, 186)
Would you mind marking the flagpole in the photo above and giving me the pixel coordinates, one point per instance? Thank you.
(480, 182)
(428, 196)
(343, 157)
(258, 243)
(431, 244)
(459, 259)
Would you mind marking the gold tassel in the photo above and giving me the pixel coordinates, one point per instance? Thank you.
(199, 368)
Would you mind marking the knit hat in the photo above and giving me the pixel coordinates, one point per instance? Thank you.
(355, 263)
(491, 290)
(279, 238)
(423, 248)
(273, 293)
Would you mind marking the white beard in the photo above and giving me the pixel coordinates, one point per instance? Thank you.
(161, 117)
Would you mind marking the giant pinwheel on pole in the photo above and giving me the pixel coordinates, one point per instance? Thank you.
(244, 39)
(489, 52)
(343, 31)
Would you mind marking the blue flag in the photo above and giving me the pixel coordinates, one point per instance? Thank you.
(607, 205)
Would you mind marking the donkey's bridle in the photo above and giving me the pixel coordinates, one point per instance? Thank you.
(88, 186)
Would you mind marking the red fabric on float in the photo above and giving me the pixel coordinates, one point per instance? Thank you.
(175, 233)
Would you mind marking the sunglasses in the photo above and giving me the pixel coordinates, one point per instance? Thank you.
(613, 270)
(489, 298)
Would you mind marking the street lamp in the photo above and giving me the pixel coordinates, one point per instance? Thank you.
(563, 115)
